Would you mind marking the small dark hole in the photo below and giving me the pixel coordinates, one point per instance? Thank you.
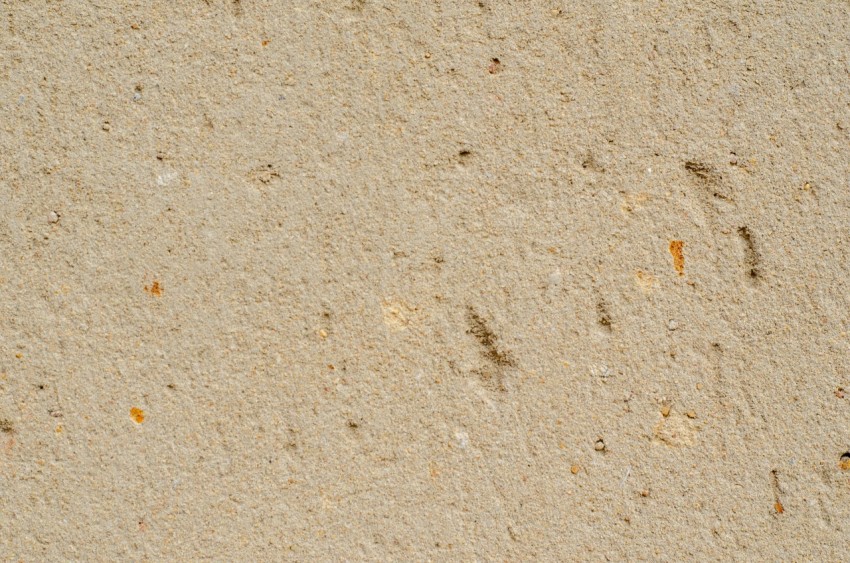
(465, 153)
(495, 60)
(845, 456)
(352, 424)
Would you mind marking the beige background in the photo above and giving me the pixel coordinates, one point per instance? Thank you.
(393, 280)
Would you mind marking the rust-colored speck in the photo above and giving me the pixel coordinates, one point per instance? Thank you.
(154, 289)
(137, 414)
(676, 250)
(265, 42)
(778, 507)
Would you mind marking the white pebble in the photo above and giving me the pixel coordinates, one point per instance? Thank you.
(462, 439)
(52, 217)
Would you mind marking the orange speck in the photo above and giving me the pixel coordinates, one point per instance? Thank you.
(265, 42)
(154, 289)
(59, 429)
(844, 464)
(137, 414)
(575, 469)
(19, 355)
(676, 247)
(778, 507)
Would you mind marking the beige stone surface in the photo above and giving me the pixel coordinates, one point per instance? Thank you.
(408, 281)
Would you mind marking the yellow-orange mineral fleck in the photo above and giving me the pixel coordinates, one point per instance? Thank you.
(676, 250)
(137, 414)
(154, 289)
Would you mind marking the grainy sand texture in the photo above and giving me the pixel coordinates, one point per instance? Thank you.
(407, 280)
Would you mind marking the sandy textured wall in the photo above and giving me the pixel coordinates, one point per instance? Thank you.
(470, 280)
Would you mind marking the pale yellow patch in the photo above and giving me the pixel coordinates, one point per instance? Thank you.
(633, 202)
(397, 314)
(645, 281)
(675, 431)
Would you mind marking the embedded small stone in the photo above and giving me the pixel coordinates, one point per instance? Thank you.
(52, 217)
(599, 446)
